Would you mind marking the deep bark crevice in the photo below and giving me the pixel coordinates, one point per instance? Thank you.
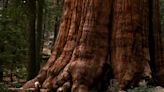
(151, 42)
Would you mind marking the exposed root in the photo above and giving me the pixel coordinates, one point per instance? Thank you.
(77, 76)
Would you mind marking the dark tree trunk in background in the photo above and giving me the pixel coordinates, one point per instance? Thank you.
(1, 71)
(95, 34)
(156, 50)
(31, 29)
(39, 33)
(1, 74)
(4, 26)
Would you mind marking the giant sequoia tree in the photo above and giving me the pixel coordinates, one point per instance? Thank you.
(95, 35)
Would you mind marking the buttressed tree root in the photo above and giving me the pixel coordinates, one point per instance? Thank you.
(80, 50)
(94, 34)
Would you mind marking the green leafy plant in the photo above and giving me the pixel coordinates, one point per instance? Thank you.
(141, 89)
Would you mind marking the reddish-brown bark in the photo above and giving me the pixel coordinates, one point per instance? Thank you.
(96, 33)
(130, 52)
(80, 48)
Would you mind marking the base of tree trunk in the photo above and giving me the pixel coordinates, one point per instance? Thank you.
(98, 41)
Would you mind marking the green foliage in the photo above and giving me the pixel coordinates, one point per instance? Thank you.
(51, 20)
(52, 13)
(141, 89)
(13, 41)
(22, 71)
(14, 34)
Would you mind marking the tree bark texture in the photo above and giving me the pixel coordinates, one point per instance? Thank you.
(96, 33)
(31, 30)
(157, 49)
(129, 50)
(39, 33)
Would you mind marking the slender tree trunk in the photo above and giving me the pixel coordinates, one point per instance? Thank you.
(156, 50)
(4, 25)
(11, 76)
(1, 71)
(31, 29)
(39, 33)
(96, 34)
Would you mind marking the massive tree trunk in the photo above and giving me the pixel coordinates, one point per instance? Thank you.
(129, 43)
(94, 35)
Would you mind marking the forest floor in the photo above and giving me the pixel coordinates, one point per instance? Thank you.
(7, 86)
